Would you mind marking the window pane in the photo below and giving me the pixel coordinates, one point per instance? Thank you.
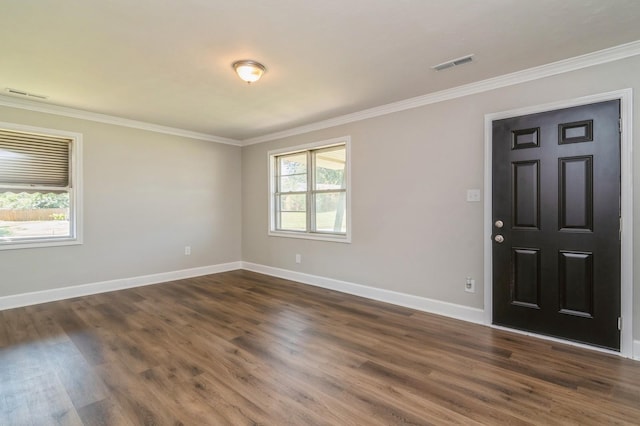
(293, 221)
(293, 164)
(309, 189)
(293, 212)
(293, 202)
(330, 166)
(331, 212)
(293, 183)
(34, 215)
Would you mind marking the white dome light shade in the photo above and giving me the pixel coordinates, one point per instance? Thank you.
(249, 71)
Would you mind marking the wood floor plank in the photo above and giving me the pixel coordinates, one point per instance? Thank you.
(79, 379)
(242, 348)
(104, 413)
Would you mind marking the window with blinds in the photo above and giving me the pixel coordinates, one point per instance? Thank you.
(38, 187)
(29, 160)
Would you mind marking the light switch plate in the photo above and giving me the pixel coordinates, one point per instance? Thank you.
(473, 195)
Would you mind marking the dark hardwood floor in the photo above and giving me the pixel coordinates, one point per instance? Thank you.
(241, 348)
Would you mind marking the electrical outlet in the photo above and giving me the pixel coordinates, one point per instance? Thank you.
(187, 250)
(470, 285)
(298, 258)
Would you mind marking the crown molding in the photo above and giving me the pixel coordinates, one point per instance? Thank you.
(110, 119)
(566, 65)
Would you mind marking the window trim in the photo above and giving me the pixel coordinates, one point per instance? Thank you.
(272, 187)
(75, 192)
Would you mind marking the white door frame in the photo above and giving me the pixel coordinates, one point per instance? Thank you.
(626, 163)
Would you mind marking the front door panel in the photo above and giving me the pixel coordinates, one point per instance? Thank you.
(556, 190)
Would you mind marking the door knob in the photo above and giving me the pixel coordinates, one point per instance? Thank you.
(499, 224)
(499, 238)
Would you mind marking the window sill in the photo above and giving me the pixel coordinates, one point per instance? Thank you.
(40, 243)
(309, 236)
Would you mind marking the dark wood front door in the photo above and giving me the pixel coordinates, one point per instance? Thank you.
(556, 230)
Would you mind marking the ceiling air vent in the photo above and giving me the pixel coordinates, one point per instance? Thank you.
(25, 94)
(453, 63)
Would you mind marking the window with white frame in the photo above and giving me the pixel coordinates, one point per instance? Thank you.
(309, 196)
(39, 187)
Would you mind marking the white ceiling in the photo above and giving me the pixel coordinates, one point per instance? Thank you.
(169, 62)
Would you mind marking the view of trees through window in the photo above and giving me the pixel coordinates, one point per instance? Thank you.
(29, 215)
(324, 192)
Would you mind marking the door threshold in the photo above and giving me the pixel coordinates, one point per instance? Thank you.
(558, 340)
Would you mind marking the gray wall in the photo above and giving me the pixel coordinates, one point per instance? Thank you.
(146, 196)
(413, 231)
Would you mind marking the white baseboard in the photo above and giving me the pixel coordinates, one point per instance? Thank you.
(33, 298)
(424, 304)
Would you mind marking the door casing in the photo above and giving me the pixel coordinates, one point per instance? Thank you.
(626, 241)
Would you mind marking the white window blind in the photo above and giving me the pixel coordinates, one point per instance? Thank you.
(29, 160)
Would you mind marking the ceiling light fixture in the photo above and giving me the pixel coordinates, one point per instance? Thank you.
(249, 71)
